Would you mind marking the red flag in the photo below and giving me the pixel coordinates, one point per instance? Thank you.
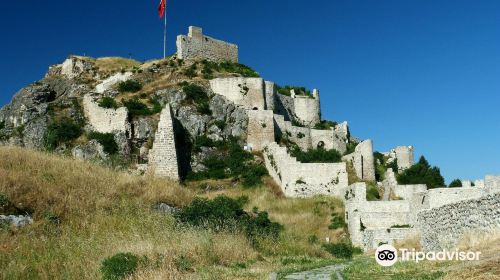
(162, 7)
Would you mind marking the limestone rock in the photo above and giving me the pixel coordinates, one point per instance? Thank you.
(16, 221)
(90, 151)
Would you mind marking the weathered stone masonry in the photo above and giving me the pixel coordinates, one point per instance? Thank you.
(442, 228)
(105, 120)
(163, 156)
(303, 179)
(197, 46)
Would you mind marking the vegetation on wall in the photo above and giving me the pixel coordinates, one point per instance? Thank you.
(61, 131)
(422, 173)
(287, 90)
(319, 155)
(325, 125)
(108, 103)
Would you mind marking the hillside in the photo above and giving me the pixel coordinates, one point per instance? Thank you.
(195, 167)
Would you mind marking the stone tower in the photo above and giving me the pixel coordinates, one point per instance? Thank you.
(307, 108)
(163, 156)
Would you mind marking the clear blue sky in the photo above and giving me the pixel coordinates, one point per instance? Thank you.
(413, 72)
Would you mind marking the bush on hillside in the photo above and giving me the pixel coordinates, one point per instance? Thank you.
(227, 214)
(129, 86)
(455, 184)
(342, 250)
(337, 221)
(61, 131)
(229, 67)
(287, 90)
(198, 96)
(230, 161)
(422, 173)
(136, 107)
(119, 266)
(2, 125)
(108, 103)
(107, 140)
(319, 155)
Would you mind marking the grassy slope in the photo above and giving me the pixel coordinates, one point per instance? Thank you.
(103, 212)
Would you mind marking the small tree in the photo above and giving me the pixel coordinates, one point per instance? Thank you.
(455, 184)
(422, 173)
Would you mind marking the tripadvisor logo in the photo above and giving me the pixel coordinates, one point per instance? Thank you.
(387, 255)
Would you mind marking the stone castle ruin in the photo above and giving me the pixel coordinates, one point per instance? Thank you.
(258, 112)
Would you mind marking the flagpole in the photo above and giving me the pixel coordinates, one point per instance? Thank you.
(165, 37)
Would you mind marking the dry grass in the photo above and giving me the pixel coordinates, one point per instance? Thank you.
(103, 212)
(115, 64)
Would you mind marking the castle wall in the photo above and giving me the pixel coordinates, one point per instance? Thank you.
(372, 238)
(260, 128)
(111, 81)
(284, 105)
(442, 196)
(442, 228)
(300, 179)
(197, 46)
(163, 156)
(403, 155)
(105, 120)
(363, 160)
(246, 92)
(271, 91)
(307, 109)
(307, 138)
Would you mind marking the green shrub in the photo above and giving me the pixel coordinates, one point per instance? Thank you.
(2, 125)
(229, 67)
(61, 131)
(325, 125)
(341, 250)
(351, 147)
(157, 107)
(107, 140)
(197, 95)
(372, 193)
(129, 86)
(137, 108)
(183, 263)
(108, 103)
(422, 173)
(119, 266)
(337, 222)
(319, 155)
(229, 161)
(286, 90)
(455, 184)
(227, 214)
(191, 71)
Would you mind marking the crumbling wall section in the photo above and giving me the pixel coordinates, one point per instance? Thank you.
(363, 160)
(246, 92)
(105, 120)
(298, 179)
